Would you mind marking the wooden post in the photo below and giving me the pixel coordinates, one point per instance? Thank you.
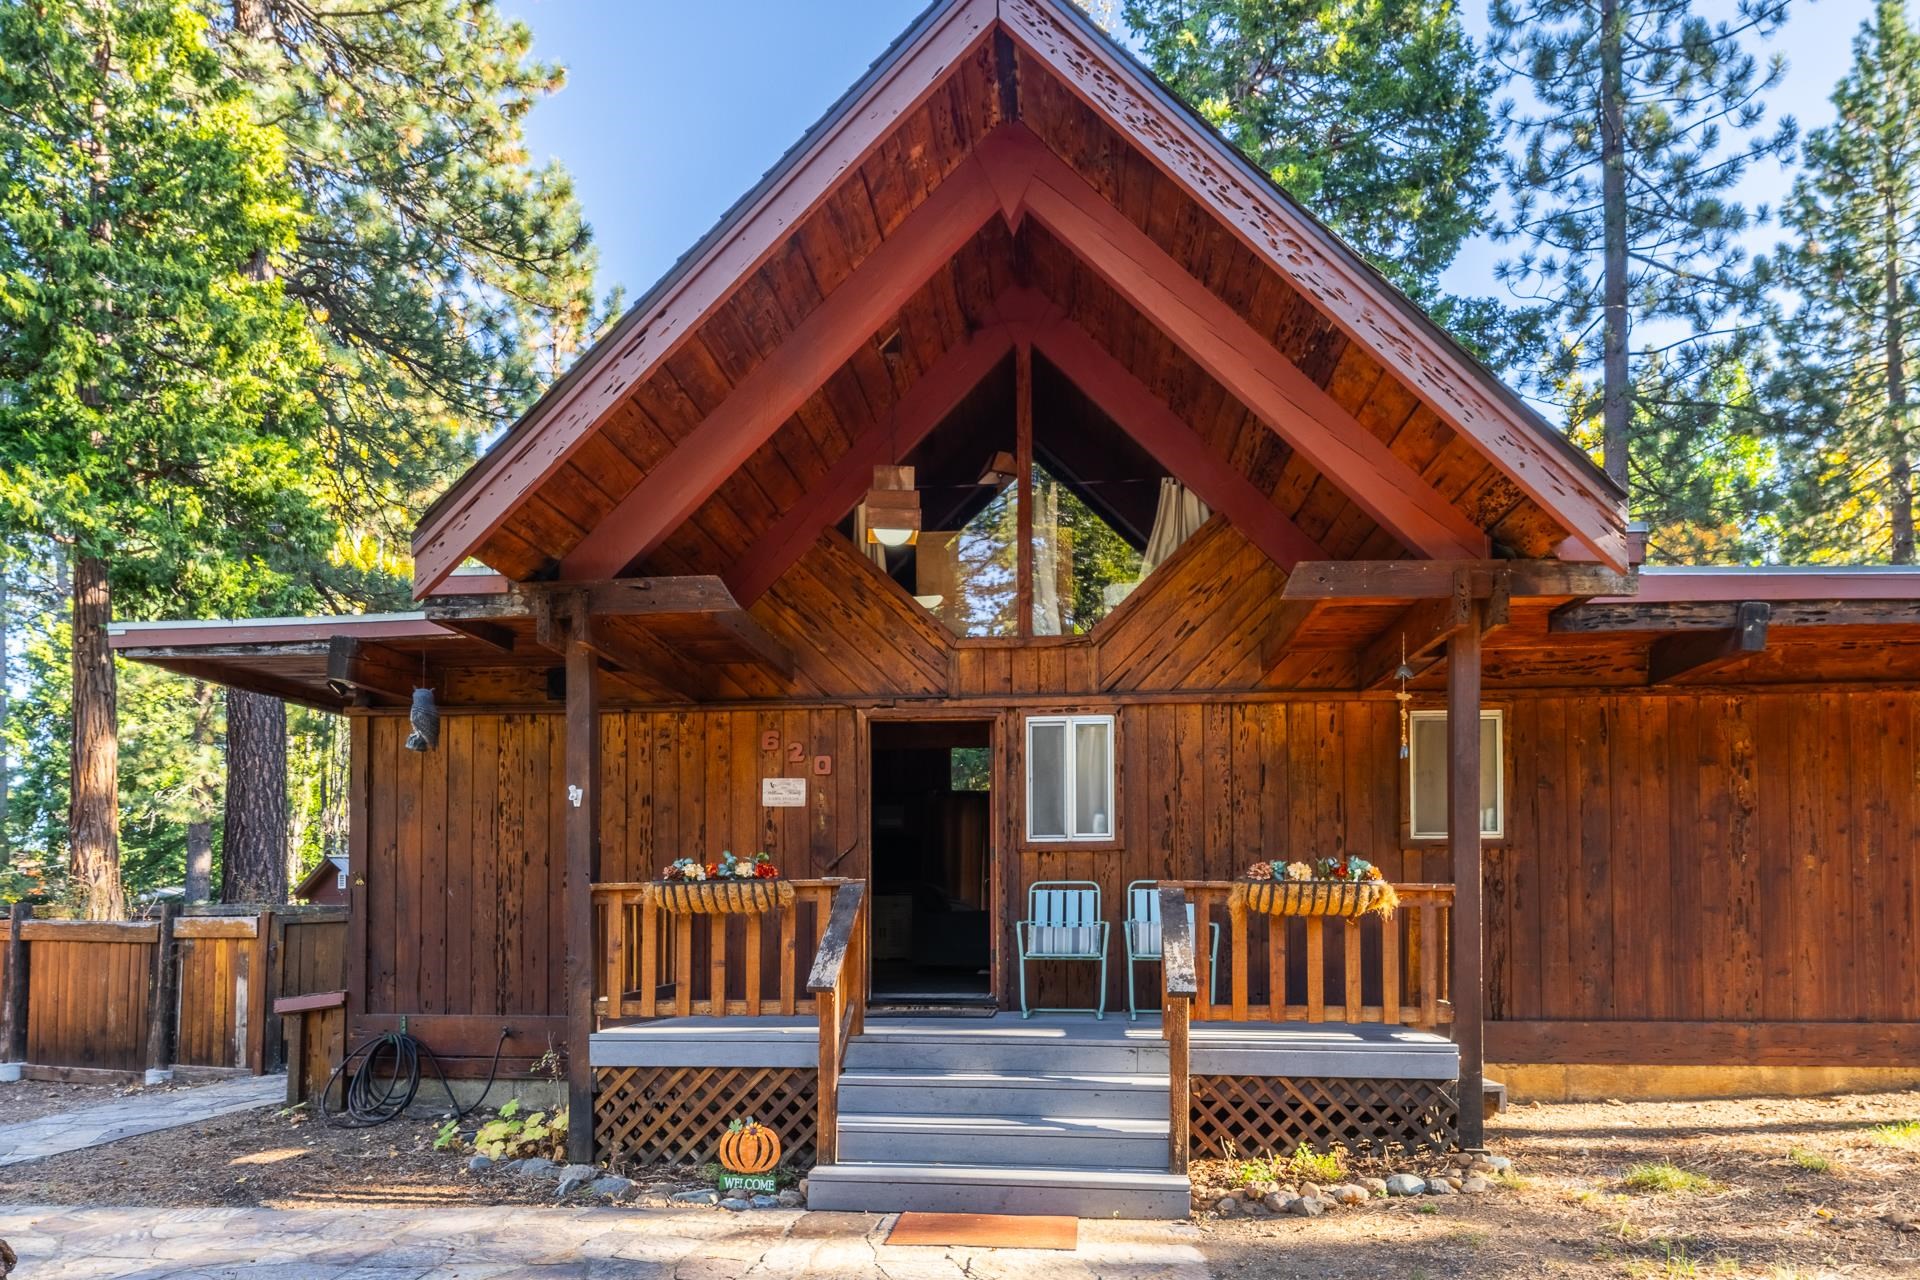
(15, 1052)
(1178, 949)
(1463, 838)
(359, 793)
(583, 865)
(1023, 467)
(163, 1007)
(273, 926)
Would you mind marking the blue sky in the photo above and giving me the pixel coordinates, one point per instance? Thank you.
(671, 110)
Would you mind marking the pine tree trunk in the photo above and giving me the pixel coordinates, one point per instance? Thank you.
(253, 865)
(93, 820)
(1616, 403)
(1899, 452)
(199, 882)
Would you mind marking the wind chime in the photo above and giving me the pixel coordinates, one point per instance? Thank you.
(1403, 673)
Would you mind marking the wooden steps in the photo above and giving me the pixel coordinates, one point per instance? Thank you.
(1002, 1118)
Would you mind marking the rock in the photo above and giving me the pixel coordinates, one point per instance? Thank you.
(696, 1197)
(1476, 1185)
(662, 1188)
(765, 1202)
(1311, 1191)
(1480, 1166)
(613, 1186)
(1348, 1193)
(1277, 1203)
(1307, 1206)
(1461, 1161)
(479, 1164)
(1499, 1164)
(735, 1204)
(570, 1183)
(802, 1184)
(791, 1199)
(534, 1167)
(1227, 1206)
(1374, 1186)
(1405, 1184)
(1260, 1190)
(1440, 1187)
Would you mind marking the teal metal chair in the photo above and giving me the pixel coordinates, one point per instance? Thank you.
(1063, 923)
(1143, 939)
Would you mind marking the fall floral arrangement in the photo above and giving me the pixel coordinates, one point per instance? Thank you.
(1350, 868)
(1343, 886)
(758, 867)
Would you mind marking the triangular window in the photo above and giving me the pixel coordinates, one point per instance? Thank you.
(1104, 513)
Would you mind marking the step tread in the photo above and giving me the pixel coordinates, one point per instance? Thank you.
(1005, 1079)
(1104, 1176)
(1003, 1125)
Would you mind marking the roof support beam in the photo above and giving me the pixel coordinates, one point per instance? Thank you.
(1173, 444)
(927, 402)
(1420, 635)
(1695, 653)
(359, 664)
(1274, 228)
(1435, 579)
(780, 384)
(564, 620)
(1289, 617)
(1723, 615)
(1215, 336)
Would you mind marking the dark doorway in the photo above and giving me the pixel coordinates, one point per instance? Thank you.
(931, 936)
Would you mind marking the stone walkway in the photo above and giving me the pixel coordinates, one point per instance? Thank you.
(137, 1113)
(550, 1244)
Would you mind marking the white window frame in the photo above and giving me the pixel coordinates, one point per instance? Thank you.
(1499, 829)
(1068, 796)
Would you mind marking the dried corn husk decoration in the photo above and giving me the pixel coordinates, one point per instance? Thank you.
(721, 897)
(1344, 898)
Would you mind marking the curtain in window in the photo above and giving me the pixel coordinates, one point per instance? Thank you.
(1175, 520)
(1051, 554)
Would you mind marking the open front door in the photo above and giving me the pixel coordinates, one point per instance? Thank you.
(931, 913)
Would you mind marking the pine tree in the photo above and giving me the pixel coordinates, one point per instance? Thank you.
(153, 417)
(446, 277)
(1851, 332)
(1375, 114)
(1647, 117)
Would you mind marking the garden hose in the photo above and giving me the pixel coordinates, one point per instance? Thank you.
(386, 1078)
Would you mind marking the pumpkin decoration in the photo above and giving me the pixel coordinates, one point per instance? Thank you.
(749, 1147)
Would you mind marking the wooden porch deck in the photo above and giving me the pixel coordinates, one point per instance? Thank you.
(1362, 1050)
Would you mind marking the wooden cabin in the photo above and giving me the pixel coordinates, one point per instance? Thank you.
(1017, 488)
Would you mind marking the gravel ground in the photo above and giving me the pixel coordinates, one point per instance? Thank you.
(1787, 1187)
(271, 1159)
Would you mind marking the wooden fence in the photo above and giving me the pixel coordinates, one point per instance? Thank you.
(192, 993)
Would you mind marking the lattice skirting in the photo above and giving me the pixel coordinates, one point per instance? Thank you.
(675, 1115)
(1268, 1115)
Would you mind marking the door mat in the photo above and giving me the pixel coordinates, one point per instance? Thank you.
(986, 1230)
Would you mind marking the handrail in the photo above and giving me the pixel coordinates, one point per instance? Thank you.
(1176, 963)
(1176, 942)
(838, 984)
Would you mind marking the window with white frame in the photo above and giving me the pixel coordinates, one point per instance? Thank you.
(1070, 778)
(1427, 775)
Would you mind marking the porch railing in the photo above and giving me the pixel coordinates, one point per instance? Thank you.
(1391, 971)
(1286, 969)
(654, 963)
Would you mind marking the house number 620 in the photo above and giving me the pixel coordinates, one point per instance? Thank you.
(796, 752)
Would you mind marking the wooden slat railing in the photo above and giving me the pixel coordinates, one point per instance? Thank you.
(839, 987)
(1392, 971)
(1176, 960)
(650, 962)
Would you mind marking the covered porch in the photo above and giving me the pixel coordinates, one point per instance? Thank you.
(1326, 1030)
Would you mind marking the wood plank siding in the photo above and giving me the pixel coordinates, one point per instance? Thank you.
(1701, 858)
